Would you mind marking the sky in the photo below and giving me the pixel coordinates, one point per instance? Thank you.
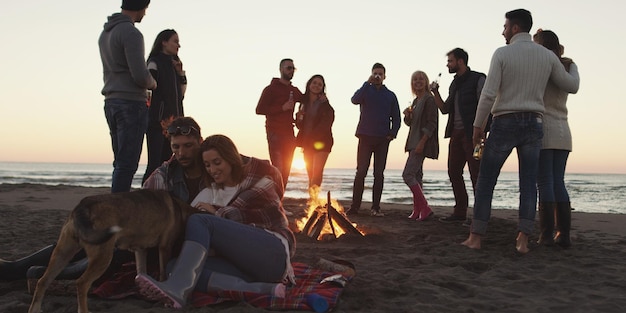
(52, 74)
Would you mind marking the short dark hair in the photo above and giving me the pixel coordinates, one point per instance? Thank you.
(378, 65)
(228, 151)
(283, 61)
(183, 121)
(521, 18)
(459, 54)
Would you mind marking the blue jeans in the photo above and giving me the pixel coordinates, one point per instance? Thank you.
(551, 176)
(128, 121)
(244, 251)
(368, 145)
(281, 149)
(524, 132)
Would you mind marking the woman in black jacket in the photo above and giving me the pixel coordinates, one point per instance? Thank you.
(167, 99)
(315, 120)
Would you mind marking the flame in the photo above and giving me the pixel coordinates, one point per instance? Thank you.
(316, 203)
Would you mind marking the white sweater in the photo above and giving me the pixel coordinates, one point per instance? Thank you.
(517, 79)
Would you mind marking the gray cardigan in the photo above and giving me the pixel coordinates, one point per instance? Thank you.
(423, 121)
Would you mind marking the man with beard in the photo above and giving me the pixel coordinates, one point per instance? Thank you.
(460, 106)
(277, 103)
(184, 174)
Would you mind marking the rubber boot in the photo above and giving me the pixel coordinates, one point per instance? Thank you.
(71, 272)
(177, 288)
(563, 224)
(219, 282)
(416, 190)
(15, 270)
(546, 223)
(421, 210)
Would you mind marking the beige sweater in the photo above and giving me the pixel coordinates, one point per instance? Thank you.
(556, 132)
(517, 79)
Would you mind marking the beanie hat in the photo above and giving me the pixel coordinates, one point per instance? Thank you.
(134, 5)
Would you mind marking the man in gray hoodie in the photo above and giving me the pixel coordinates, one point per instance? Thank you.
(126, 80)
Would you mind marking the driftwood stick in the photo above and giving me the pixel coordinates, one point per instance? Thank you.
(330, 218)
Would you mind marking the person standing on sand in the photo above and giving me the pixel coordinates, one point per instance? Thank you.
(167, 100)
(513, 93)
(463, 95)
(315, 121)
(277, 103)
(556, 146)
(379, 123)
(422, 142)
(126, 80)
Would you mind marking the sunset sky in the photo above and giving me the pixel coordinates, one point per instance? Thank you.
(52, 75)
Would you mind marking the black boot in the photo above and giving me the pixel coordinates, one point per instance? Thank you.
(71, 272)
(15, 270)
(564, 224)
(546, 223)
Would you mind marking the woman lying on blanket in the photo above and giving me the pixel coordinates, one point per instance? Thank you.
(243, 244)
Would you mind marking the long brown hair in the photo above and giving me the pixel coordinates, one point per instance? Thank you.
(228, 151)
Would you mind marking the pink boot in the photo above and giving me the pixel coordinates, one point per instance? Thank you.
(421, 210)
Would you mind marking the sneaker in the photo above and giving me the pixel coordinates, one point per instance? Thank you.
(451, 219)
(377, 213)
(467, 223)
(352, 211)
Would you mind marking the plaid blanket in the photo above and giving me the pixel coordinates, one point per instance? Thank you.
(122, 285)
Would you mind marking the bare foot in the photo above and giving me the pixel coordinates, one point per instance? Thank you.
(473, 241)
(521, 243)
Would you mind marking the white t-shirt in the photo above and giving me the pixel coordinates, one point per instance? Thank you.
(217, 197)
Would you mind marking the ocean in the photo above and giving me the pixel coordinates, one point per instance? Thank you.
(597, 193)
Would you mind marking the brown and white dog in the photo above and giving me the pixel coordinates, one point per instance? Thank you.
(132, 221)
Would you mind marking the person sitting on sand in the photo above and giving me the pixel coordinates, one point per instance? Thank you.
(182, 175)
(244, 243)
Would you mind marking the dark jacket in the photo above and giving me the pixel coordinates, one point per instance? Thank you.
(316, 134)
(465, 88)
(167, 98)
(380, 111)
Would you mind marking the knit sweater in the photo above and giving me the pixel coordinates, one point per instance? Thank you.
(556, 132)
(517, 79)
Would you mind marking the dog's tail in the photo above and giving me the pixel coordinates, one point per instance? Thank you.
(85, 228)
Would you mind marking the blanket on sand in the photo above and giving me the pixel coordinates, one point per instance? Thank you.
(308, 281)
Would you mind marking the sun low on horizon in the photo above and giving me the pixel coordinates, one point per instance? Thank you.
(298, 162)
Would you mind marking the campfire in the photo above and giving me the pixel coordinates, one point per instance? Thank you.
(325, 219)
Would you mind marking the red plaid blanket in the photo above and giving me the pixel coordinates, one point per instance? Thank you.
(122, 284)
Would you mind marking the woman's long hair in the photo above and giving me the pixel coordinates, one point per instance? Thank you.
(307, 91)
(157, 46)
(228, 151)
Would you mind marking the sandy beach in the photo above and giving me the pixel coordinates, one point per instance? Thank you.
(401, 265)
